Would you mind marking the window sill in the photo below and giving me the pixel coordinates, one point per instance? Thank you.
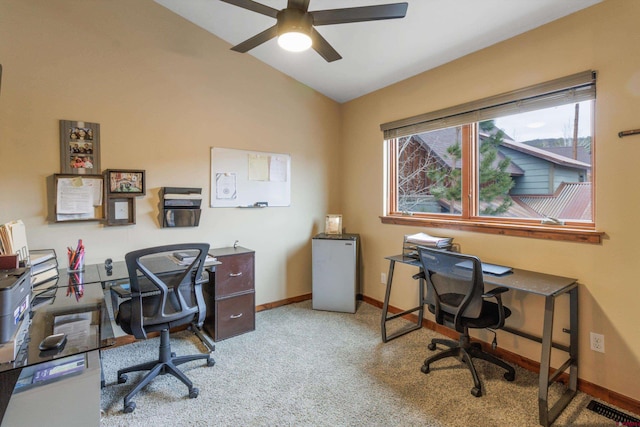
(548, 232)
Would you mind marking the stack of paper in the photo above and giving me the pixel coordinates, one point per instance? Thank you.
(424, 239)
(184, 259)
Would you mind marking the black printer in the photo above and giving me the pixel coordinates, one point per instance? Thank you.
(15, 289)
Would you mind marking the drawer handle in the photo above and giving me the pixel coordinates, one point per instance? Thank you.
(235, 274)
(235, 316)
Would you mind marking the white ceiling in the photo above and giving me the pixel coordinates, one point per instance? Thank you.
(378, 53)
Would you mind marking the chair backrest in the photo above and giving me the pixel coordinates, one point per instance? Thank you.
(165, 291)
(452, 288)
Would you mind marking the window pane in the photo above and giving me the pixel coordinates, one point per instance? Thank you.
(429, 172)
(537, 164)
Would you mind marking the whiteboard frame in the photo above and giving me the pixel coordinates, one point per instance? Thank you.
(235, 165)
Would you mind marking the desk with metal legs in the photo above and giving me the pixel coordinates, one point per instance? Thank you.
(387, 295)
(545, 285)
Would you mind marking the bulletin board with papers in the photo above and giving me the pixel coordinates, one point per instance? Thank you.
(249, 179)
(78, 197)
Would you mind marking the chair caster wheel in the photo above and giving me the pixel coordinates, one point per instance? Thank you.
(431, 346)
(509, 376)
(476, 392)
(210, 361)
(425, 369)
(123, 379)
(130, 407)
(173, 354)
(193, 393)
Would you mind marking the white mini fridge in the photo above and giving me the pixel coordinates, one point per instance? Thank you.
(335, 272)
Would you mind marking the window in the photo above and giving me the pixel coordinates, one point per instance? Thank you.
(519, 163)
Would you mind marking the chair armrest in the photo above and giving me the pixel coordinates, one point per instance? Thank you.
(497, 294)
(494, 292)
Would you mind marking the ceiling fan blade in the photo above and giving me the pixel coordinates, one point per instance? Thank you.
(254, 7)
(302, 5)
(323, 47)
(256, 40)
(359, 14)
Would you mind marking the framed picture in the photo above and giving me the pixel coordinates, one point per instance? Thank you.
(125, 183)
(333, 224)
(79, 148)
(121, 211)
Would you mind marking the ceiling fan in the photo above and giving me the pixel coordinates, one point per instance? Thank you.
(295, 27)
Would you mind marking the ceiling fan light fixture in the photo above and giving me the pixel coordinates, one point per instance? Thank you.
(295, 27)
(294, 30)
(294, 41)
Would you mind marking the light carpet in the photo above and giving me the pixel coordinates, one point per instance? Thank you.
(303, 367)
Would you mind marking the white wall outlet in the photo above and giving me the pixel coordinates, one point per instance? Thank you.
(383, 278)
(597, 342)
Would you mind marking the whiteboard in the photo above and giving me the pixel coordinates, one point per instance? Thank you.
(241, 178)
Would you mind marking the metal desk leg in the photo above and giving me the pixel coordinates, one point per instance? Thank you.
(385, 309)
(548, 415)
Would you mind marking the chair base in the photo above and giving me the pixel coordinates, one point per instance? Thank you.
(466, 351)
(166, 364)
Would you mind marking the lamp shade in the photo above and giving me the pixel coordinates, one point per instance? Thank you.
(294, 41)
(294, 30)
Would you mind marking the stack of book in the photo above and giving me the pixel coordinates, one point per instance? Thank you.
(186, 258)
(44, 269)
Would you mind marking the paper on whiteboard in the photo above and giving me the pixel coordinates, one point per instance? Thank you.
(278, 169)
(258, 167)
(226, 186)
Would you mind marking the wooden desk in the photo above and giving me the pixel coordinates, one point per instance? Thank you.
(545, 285)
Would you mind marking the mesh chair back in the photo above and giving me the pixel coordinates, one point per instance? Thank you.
(451, 288)
(163, 292)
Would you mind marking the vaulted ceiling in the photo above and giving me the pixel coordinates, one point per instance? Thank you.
(376, 54)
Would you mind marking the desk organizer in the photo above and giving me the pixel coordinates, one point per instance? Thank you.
(180, 206)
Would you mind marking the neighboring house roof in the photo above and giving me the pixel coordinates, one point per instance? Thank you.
(439, 141)
(571, 200)
(584, 155)
(546, 155)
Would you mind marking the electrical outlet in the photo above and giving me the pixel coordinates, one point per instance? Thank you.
(383, 278)
(597, 342)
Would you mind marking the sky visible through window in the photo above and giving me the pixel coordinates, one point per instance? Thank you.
(555, 122)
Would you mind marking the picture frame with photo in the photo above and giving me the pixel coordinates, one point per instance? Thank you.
(333, 224)
(125, 182)
(79, 147)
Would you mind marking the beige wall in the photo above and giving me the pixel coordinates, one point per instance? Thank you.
(605, 38)
(164, 92)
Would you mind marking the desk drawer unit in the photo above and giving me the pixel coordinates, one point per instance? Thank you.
(234, 316)
(230, 295)
(234, 275)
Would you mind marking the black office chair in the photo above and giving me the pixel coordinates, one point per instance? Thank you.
(160, 301)
(455, 294)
